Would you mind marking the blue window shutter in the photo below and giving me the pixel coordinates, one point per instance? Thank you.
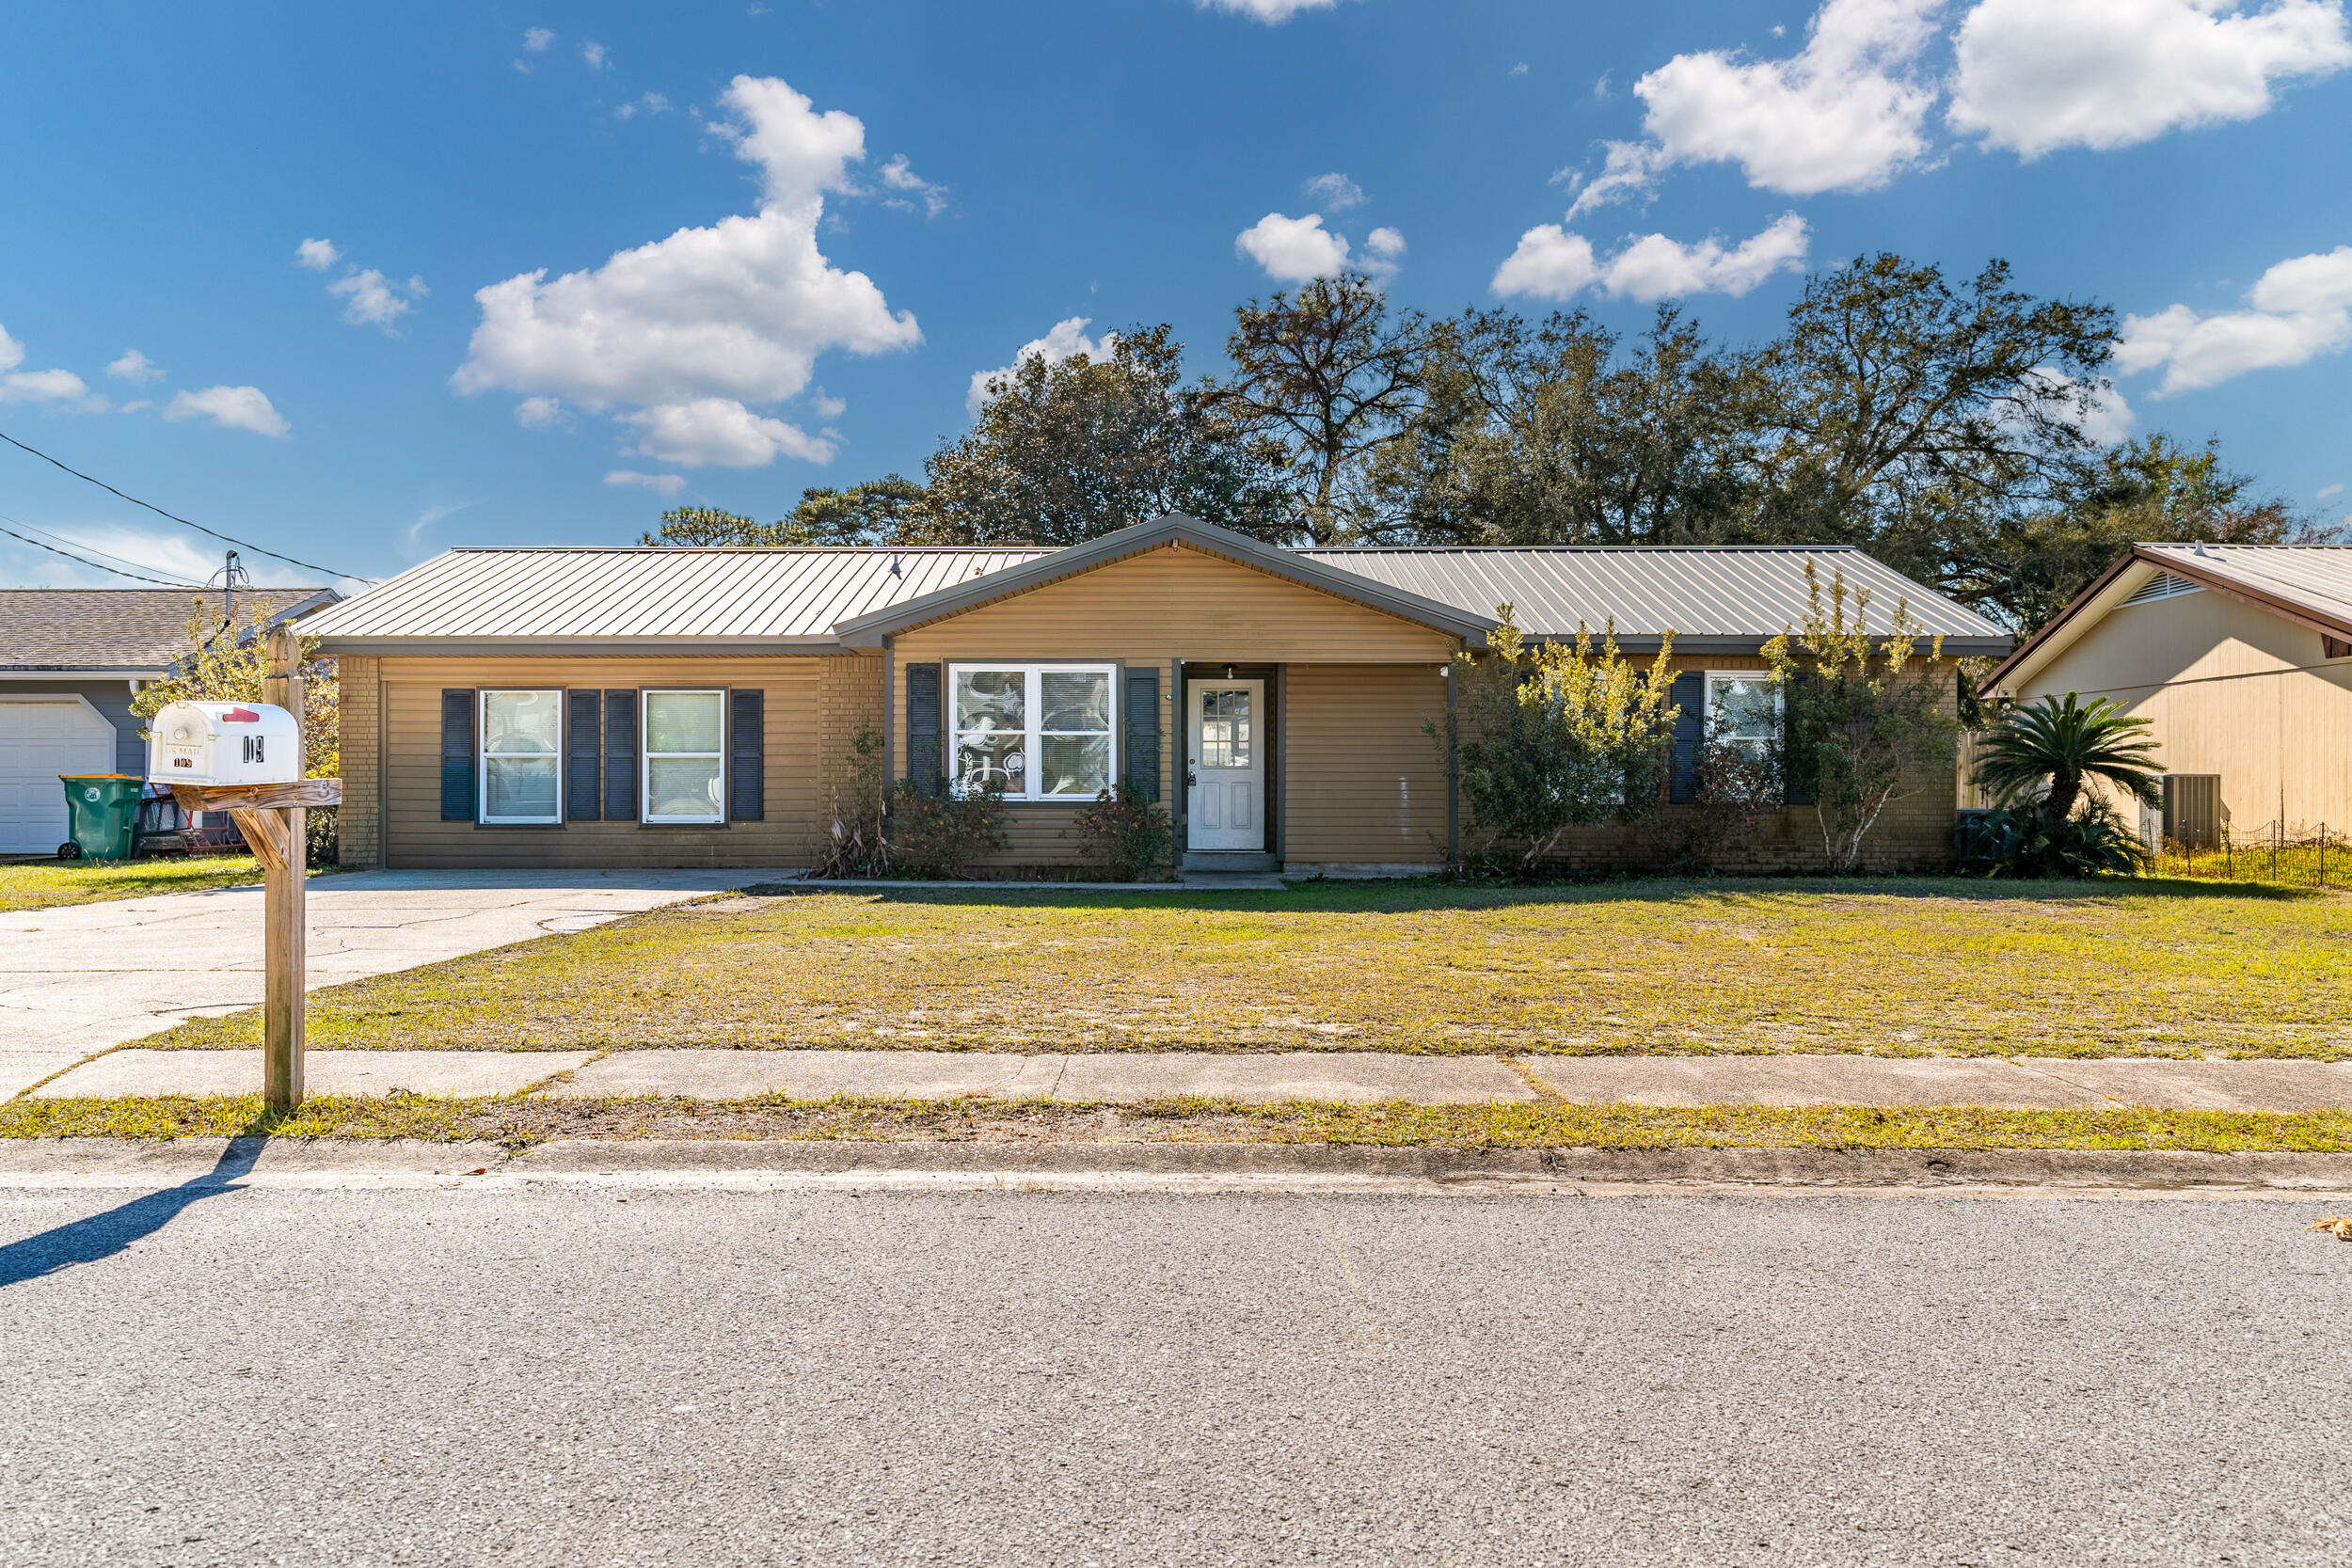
(747, 750)
(1141, 766)
(1689, 693)
(585, 727)
(620, 756)
(924, 756)
(458, 756)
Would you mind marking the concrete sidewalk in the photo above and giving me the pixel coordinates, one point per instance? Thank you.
(1352, 1077)
(80, 979)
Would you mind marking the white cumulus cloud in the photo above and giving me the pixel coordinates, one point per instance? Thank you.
(720, 431)
(1552, 264)
(134, 368)
(2301, 309)
(1065, 340)
(1271, 13)
(537, 38)
(1334, 192)
(2037, 76)
(735, 313)
(232, 408)
(1845, 113)
(596, 55)
(11, 352)
(539, 413)
(900, 176)
(661, 485)
(318, 255)
(41, 387)
(370, 300)
(1292, 250)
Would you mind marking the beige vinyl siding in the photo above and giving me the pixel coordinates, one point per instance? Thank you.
(359, 820)
(2231, 690)
(1165, 605)
(795, 761)
(1363, 784)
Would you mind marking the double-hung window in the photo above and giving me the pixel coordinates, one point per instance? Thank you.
(1743, 712)
(523, 766)
(1037, 732)
(684, 756)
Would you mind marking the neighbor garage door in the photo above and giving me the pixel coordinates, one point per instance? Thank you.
(40, 740)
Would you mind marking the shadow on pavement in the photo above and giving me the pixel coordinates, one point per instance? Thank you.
(103, 1235)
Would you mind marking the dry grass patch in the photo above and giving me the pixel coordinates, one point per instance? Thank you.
(520, 1123)
(1904, 968)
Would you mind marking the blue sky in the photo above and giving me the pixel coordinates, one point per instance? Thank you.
(774, 243)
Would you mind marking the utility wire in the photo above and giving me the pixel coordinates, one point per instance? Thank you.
(55, 538)
(97, 565)
(306, 565)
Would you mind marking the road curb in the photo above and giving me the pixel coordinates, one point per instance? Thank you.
(108, 1162)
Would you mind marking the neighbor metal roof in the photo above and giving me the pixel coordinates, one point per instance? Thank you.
(663, 592)
(126, 631)
(2316, 577)
(1703, 594)
(710, 600)
(2309, 583)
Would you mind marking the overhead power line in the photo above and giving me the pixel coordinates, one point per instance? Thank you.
(306, 565)
(52, 536)
(97, 565)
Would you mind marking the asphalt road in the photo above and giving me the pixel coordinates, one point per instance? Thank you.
(592, 1375)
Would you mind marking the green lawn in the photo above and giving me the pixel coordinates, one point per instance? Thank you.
(51, 884)
(1914, 967)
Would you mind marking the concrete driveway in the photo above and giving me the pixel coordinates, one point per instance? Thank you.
(79, 980)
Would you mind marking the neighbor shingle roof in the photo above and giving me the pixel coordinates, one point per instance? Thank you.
(132, 631)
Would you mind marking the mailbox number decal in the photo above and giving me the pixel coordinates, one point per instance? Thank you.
(252, 747)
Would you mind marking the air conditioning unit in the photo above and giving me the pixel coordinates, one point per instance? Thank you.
(222, 743)
(2192, 809)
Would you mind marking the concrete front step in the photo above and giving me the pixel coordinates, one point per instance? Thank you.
(1357, 1077)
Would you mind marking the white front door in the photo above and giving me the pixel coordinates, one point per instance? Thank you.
(1225, 756)
(39, 740)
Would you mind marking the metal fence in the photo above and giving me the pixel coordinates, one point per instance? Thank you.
(2296, 854)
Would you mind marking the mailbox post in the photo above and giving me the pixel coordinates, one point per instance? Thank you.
(248, 762)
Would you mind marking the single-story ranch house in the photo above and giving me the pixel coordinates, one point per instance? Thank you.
(672, 706)
(2240, 658)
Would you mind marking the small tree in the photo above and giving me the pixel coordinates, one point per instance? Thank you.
(1865, 720)
(2045, 751)
(227, 665)
(1563, 735)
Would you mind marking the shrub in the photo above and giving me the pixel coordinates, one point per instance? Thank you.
(1567, 736)
(1126, 832)
(2047, 750)
(1865, 720)
(2031, 840)
(943, 836)
(857, 845)
(1734, 788)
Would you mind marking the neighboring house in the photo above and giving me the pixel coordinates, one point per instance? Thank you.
(670, 707)
(2240, 655)
(72, 660)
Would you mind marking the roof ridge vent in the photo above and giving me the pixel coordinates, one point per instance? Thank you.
(2164, 585)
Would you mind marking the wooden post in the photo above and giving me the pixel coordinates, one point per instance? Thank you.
(284, 887)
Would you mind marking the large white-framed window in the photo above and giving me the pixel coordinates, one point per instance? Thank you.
(683, 760)
(1039, 732)
(1744, 711)
(522, 758)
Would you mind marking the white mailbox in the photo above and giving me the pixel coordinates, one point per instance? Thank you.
(222, 743)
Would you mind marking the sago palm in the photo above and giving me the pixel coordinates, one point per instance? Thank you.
(2065, 743)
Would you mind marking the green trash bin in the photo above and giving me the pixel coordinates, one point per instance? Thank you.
(103, 811)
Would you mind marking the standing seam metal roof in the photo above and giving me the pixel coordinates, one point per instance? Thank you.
(703, 595)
